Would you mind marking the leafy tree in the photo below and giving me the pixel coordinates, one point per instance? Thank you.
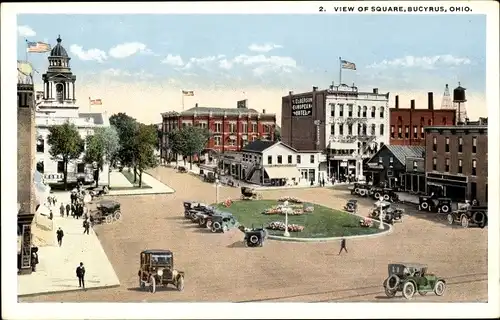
(277, 133)
(65, 144)
(145, 143)
(101, 147)
(176, 144)
(194, 141)
(126, 127)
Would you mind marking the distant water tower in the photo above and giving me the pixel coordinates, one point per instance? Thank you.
(459, 104)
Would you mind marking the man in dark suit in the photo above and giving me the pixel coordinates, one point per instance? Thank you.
(60, 235)
(342, 246)
(80, 273)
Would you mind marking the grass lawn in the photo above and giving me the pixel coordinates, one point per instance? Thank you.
(322, 223)
(130, 178)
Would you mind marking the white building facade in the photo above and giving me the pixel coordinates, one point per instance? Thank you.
(356, 126)
(56, 105)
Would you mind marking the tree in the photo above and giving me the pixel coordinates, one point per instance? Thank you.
(194, 141)
(65, 144)
(145, 143)
(176, 144)
(277, 133)
(101, 147)
(126, 128)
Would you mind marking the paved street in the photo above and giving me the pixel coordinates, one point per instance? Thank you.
(219, 268)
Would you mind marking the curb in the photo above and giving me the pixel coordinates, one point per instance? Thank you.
(140, 194)
(67, 290)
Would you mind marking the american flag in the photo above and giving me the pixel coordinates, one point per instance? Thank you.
(38, 47)
(95, 102)
(189, 93)
(347, 65)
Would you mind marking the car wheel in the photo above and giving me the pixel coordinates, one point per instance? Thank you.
(209, 224)
(180, 283)
(362, 192)
(142, 285)
(202, 221)
(464, 221)
(439, 288)
(408, 290)
(445, 208)
(485, 222)
(392, 282)
(386, 197)
(118, 215)
(152, 286)
(109, 219)
(254, 239)
(450, 219)
(424, 205)
(377, 195)
(388, 292)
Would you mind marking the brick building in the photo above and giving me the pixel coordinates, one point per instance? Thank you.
(231, 128)
(407, 125)
(457, 161)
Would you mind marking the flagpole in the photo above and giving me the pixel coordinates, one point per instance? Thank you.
(340, 71)
(26, 40)
(182, 94)
(90, 104)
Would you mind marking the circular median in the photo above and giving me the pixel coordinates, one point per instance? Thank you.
(319, 225)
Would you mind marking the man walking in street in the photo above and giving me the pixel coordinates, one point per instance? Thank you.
(60, 235)
(80, 273)
(61, 210)
(342, 246)
(86, 226)
(68, 209)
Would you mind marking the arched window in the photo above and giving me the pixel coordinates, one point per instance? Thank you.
(381, 112)
(40, 166)
(373, 130)
(364, 111)
(365, 127)
(382, 129)
(373, 111)
(359, 111)
(59, 92)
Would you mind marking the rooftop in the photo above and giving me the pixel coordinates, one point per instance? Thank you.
(258, 145)
(403, 152)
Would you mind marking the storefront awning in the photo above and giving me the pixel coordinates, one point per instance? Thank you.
(283, 172)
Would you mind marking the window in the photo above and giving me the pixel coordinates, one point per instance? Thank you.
(373, 129)
(350, 110)
(290, 159)
(380, 160)
(232, 142)
(434, 144)
(459, 166)
(434, 164)
(382, 129)
(359, 111)
(298, 159)
(447, 144)
(392, 132)
(460, 144)
(474, 144)
(391, 160)
(400, 132)
(364, 129)
(232, 127)
(447, 165)
(422, 132)
(429, 122)
(80, 168)
(280, 159)
(218, 127)
(59, 92)
(217, 141)
(244, 127)
(381, 112)
(415, 166)
(40, 145)
(332, 128)
(359, 129)
(204, 125)
(341, 129)
(40, 167)
(364, 111)
(269, 159)
(332, 113)
(349, 129)
(341, 111)
(415, 132)
(474, 164)
(254, 127)
(312, 158)
(407, 132)
(373, 112)
(60, 167)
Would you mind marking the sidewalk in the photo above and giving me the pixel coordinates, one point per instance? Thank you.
(156, 186)
(56, 269)
(118, 180)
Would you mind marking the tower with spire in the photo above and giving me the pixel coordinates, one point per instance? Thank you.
(446, 102)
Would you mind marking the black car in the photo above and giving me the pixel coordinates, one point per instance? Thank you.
(434, 204)
(351, 205)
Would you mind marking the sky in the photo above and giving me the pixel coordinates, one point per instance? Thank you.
(138, 64)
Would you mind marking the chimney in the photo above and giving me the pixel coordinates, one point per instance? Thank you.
(263, 111)
(290, 92)
(196, 105)
(430, 101)
(397, 102)
(315, 88)
(412, 104)
(375, 90)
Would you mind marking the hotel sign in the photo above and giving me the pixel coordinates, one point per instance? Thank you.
(302, 107)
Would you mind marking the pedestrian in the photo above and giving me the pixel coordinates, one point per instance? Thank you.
(342, 246)
(61, 210)
(86, 226)
(60, 235)
(51, 215)
(73, 210)
(68, 209)
(49, 202)
(80, 273)
(323, 182)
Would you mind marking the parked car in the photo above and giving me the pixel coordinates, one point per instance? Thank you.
(249, 194)
(254, 237)
(434, 204)
(391, 212)
(351, 206)
(475, 215)
(157, 269)
(410, 278)
(361, 189)
(108, 210)
(222, 222)
(191, 208)
(387, 194)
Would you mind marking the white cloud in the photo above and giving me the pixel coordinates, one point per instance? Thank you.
(127, 49)
(264, 47)
(263, 64)
(203, 62)
(119, 73)
(421, 62)
(89, 55)
(173, 60)
(25, 31)
(225, 64)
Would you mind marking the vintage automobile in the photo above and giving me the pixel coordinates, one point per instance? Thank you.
(182, 170)
(222, 222)
(254, 237)
(204, 218)
(351, 206)
(387, 194)
(157, 269)
(475, 215)
(392, 213)
(97, 192)
(209, 177)
(410, 278)
(107, 210)
(191, 208)
(434, 204)
(361, 189)
(249, 194)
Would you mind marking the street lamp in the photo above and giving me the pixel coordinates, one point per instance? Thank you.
(382, 214)
(217, 186)
(286, 233)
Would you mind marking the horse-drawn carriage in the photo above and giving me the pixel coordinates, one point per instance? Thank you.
(107, 210)
(249, 194)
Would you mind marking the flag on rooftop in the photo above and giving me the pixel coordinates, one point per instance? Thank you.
(347, 65)
(38, 47)
(95, 102)
(187, 93)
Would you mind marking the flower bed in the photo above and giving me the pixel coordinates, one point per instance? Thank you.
(290, 199)
(280, 209)
(366, 222)
(280, 226)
